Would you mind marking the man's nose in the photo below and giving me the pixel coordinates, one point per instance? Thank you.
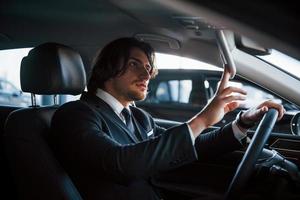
(145, 73)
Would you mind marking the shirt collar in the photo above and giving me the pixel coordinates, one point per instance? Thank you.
(110, 100)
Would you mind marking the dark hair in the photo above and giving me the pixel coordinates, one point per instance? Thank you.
(111, 61)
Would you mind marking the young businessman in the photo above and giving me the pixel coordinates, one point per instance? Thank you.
(111, 149)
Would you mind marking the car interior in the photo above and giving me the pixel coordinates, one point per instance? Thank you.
(26, 129)
(65, 36)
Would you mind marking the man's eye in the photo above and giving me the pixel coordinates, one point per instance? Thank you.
(148, 68)
(133, 64)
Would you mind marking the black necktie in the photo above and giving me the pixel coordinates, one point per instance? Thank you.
(128, 118)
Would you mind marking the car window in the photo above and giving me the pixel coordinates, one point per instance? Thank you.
(197, 92)
(174, 91)
(283, 62)
(168, 61)
(162, 93)
(255, 95)
(186, 92)
(7, 87)
(10, 89)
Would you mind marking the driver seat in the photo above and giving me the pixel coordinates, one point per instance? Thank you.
(49, 69)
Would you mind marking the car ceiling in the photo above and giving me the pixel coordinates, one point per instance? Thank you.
(88, 25)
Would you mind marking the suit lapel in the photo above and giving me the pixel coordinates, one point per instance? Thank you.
(109, 113)
(139, 128)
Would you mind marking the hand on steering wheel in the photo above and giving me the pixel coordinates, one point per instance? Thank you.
(252, 153)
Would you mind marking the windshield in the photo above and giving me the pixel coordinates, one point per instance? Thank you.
(168, 61)
(284, 62)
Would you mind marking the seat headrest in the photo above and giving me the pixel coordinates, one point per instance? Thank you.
(52, 68)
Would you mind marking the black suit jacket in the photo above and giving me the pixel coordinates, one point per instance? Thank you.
(103, 159)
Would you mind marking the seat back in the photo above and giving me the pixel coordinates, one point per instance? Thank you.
(198, 95)
(50, 68)
(7, 188)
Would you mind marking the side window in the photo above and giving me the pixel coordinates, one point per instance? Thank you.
(162, 92)
(255, 95)
(10, 89)
(173, 91)
(7, 87)
(185, 88)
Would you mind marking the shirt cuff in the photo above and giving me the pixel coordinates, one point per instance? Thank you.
(239, 132)
(191, 134)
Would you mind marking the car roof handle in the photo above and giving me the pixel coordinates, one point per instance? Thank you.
(225, 51)
(172, 43)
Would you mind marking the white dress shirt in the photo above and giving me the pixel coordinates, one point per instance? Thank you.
(112, 102)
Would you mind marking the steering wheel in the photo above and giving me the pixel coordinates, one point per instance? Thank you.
(252, 153)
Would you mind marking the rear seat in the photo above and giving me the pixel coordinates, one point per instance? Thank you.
(48, 69)
(7, 186)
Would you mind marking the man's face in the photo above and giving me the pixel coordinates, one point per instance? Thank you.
(133, 84)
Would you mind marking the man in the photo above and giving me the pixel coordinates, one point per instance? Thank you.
(111, 149)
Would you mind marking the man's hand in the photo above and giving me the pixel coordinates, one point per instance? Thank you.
(255, 114)
(223, 102)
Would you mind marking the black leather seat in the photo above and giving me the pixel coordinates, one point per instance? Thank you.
(7, 188)
(49, 69)
(199, 94)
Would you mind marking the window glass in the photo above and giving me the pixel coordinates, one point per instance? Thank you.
(176, 91)
(198, 92)
(7, 87)
(162, 93)
(185, 88)
(10, 89)
(167, 61)
(185, 83)
(255, 95)
(67, 98)
(284, 62)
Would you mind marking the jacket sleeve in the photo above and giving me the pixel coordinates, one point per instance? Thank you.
(216, 143)
(82, 141)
